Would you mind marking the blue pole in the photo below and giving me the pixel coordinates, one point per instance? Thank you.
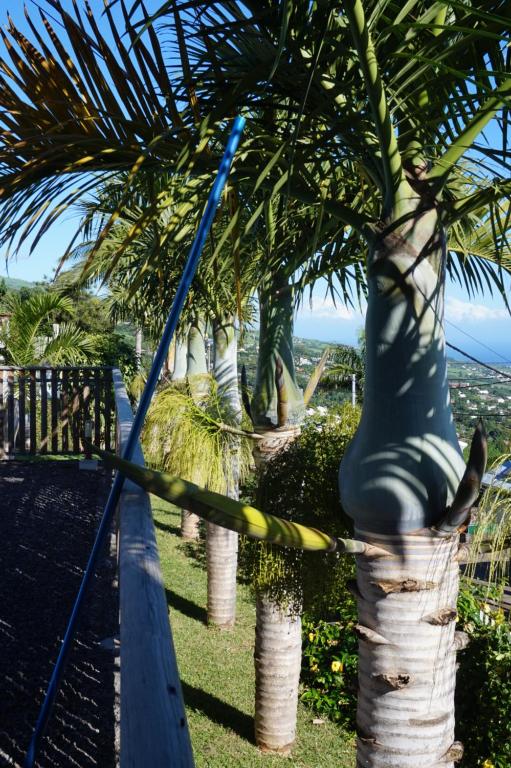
(138, 422)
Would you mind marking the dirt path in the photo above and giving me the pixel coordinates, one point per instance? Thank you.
(49, 512)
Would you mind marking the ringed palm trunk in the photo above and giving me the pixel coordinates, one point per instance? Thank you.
(277, 412)
(397, 478)
(222, 544)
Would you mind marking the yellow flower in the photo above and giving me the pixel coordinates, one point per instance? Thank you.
(311, 637)
(499, 617)
(486, 609)
(314, 667)
(337, 666)
(488, 764)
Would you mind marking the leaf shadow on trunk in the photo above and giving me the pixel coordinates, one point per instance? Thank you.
(186, 607)
(219, 711)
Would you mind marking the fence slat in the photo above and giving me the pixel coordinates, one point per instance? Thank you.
(108, 411)
(75, 412)
(22, 411)
(10, 413)
(97, 408)
(54, 411)
(44, 413)
(33, 411)
(65, 412)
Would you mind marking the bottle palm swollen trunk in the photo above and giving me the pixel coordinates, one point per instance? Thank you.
(397, 478)
(277, 412)
(221, 543)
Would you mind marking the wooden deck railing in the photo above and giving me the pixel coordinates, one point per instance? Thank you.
(43, 410)
(153, 727)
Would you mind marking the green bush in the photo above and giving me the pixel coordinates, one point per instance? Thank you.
(301, 484)
(330, 664)
(483, 688)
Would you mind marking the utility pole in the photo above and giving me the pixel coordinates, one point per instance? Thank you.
(353, 389)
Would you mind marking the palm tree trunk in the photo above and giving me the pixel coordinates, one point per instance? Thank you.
(222, 544)
(197, 368)
(277, 412)
(180, 357)
(397, 478)
(278, 657)
(407, 652)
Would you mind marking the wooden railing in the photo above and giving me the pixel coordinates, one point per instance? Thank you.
(153, 726)
(44, 410)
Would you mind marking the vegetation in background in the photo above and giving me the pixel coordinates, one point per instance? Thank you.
(483, 690)
(220, 716)
(301, 485)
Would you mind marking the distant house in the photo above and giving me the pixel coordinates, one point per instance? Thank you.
(499, 477)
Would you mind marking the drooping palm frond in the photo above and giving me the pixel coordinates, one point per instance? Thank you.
(189, 440)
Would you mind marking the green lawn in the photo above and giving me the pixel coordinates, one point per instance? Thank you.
(217, 670)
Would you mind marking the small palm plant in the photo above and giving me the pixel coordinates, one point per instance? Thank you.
(30, 338)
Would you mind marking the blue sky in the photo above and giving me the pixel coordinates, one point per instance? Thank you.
(483, 317)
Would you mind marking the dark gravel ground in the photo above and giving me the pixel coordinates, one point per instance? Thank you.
(49, 513)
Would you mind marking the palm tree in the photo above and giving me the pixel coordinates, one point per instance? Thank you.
(390, 100)
(29, 337)
(405, 92)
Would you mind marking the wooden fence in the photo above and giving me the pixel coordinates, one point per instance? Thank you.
(153, 726)
(44, 410)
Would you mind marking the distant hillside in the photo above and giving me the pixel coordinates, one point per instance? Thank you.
(15, 283)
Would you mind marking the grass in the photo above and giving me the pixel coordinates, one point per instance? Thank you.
(217, 670)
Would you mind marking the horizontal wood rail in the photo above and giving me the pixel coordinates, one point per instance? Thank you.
(153, 726)
(44, 410)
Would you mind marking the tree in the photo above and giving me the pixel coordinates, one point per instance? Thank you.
(390, 99)
(29, 338)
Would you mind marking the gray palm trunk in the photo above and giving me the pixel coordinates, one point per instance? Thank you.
(277, 417)
(222, 544)
(398, 476)
(180, 358)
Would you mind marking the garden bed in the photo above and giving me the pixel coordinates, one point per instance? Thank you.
(50, 512)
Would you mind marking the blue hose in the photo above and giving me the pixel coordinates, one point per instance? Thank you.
(138, 422)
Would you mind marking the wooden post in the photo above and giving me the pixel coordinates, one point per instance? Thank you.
(54, 411)
(75, 411)
(97, 407)
(65, 412)
(33, 411)
(44, 412)
(108, 410)
(21, 410)
(10, 413)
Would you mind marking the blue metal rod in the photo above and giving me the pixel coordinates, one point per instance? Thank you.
(138, 422)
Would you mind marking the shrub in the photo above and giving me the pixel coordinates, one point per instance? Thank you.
(330, 664)
(483, 690)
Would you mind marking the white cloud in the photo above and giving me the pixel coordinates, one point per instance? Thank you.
(326, 309)
(457, 310)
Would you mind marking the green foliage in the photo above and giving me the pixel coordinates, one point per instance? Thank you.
(300, 484)
(29, 339)
(483, 691)
(330, 663)
(186, 439)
